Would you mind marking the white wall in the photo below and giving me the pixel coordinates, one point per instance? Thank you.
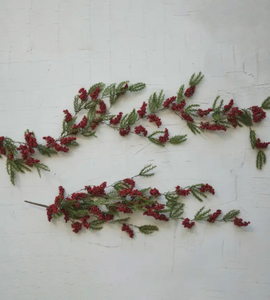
(50, 49)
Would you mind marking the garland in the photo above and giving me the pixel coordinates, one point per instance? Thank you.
(93, 206)
(219, 117)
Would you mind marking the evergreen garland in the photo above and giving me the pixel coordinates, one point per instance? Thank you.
(94, 206)
(220, 117)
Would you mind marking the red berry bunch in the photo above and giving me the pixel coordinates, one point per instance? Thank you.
(179, 106)
(97, 190)
(169, 101)
(117, 119)
(239, 222)
(67, 140)
(190, 91)
(154, 192)
(154, 118)
(83, 94)
(260, 145)
(202, 113)
(164, 138)
(102, 108)
(2, 149)
(142, 110)
(228, 106)
(31, 161)
(186, 117)
(207, 188)
(151, 213)
(95, 93)
(232, 116)
(128, 230)
(258, 114)
(140, 129)
(124, 131)
(77, 226)
(212, 127)
(68, 117)
(212, 218)
(187, 223)
(182, 192)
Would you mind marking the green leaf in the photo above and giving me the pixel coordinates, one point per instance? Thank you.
(178, 139)
(136, 87)
(194, 80)
(202, 215)
(194, 128)
(46, 151)
(155, 141)
(155, 102)
(266, 103)
(261, 159)
(180, 94)
(171, 197)
(108, 90)
(215, 103)
(76, 104)
(231, 215)
(145, 172)
(245, 118)
(129, 119)
(123, 220)
(252, 137)
(177, 210)
(197, 194)
(148, 229)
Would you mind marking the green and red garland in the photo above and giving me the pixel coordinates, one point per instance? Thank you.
(91, 103)
(94, 206)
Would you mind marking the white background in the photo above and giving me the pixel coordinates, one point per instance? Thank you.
(48, 51)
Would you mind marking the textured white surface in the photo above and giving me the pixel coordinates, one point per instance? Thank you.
(50, 49)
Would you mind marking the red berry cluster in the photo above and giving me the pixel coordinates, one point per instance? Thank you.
(207, 188)
(190, 91)
(152, 213)
(212, 127)
(30, 140)
(260, 145)
(2, 149)
(186, 117)
(51, 143)
(142, 110)
(258, 114)
(187, 223)
(52, 209)
(201, 113)
(68, 117)
(83, 94)
(182, 192)
(84, 221)
(25, 151)
(77, 226)
(169, 101)
(154, 118)
(228, 106)
(31, 161)
(95, 93)
(140, 129)
(82, 124)
(117, 119)
(127, 229)
(239, 222)
(97, 190)
(212, 218)
(164, 138)
(125, 209)
(154, 192)
(67, 140)
(232, 116)
(179, 106)
(124, 131)
(102, 108)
